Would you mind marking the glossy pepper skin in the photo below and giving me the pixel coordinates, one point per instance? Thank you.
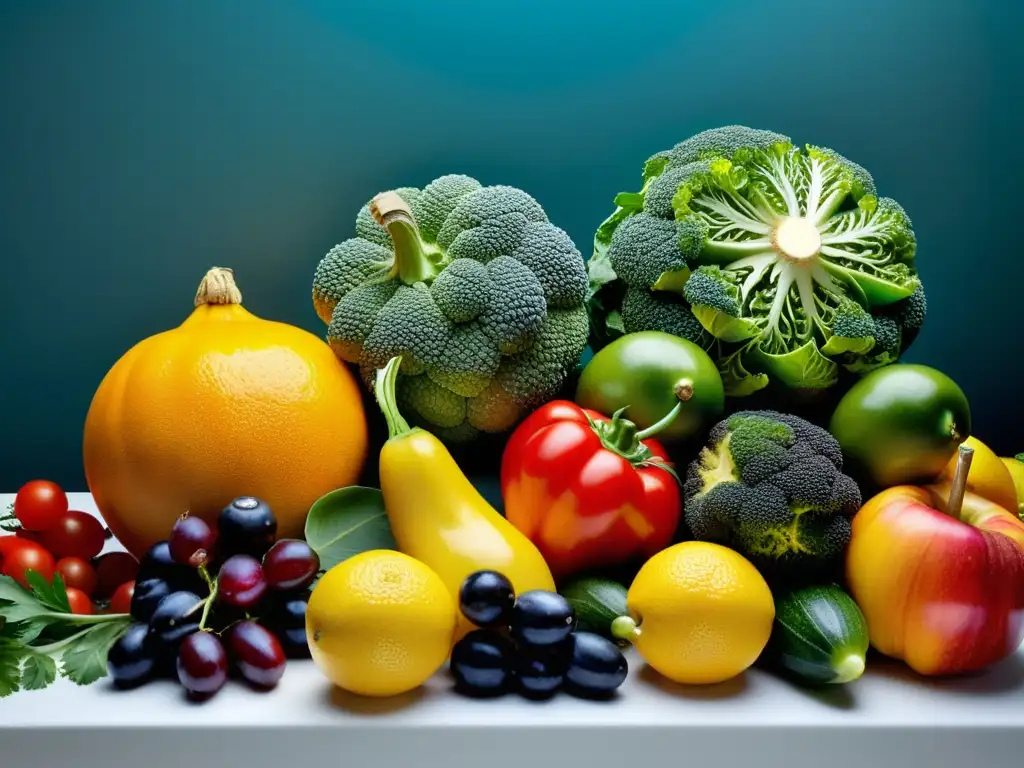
(588, 490)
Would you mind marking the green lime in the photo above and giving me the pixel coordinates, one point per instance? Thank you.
(901, 424)
(648, 374)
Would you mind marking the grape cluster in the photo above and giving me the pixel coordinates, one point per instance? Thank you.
(529, 644)
(208, 603)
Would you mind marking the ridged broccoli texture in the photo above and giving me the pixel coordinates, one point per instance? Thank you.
(481, 295)
(791, 264)
(771, 486)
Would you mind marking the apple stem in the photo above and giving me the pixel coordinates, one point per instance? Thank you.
(959, 487)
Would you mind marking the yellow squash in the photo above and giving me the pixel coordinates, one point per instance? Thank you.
(438, 517)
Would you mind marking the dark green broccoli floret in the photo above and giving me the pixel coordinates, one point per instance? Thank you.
(659, 193)
(644, 250)
(345, 266)
(481, 296)
(710, 287)
(722, 142)
(463, 291)
(551, 255)
(658, 311)
(771, 486)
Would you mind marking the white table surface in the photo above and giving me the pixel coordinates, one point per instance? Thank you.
(890, 717)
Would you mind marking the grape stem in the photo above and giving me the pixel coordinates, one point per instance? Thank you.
(208, 603)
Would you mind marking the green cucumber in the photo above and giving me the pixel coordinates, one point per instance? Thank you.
(597, 603)
(819, 637)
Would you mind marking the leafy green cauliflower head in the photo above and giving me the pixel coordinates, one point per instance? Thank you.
(478, 292)
(788, 261)
(771, 486)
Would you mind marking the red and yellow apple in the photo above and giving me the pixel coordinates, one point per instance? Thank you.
(941, 585)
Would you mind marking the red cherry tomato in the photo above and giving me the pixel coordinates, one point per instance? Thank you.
(79, 602)
(112, 570)
(74, 534)
(25, 557)
(8, 544)
(121, 602)
(39, 504)
(77, 573)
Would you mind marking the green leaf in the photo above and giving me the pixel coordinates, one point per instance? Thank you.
(37, 672)
(672, 281)
(804, 367)
(346, 522)
(837, 345)
(1019, 457)
(52, 596)
(85, 661)
(725, 327)
(17, 604)
(614, 321)
(10, 666)
(737, 380)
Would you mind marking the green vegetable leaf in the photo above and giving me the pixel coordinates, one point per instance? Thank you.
(1019, 457)
(37, 672)
(85, 661)
(346, 522)
(52, 596)
(8, 522)
(10, 666)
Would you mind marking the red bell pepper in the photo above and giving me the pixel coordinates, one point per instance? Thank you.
(588, 490)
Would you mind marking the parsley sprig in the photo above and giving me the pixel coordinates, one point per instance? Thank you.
(40, 638)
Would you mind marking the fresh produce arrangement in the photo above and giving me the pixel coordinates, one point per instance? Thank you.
(654, 510)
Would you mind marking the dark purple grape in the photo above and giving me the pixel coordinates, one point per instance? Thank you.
(191, 541)
(131, 660)
(202, 664)
(486, 598)
(290, 564)
(541, 618)
(147, 597)
(241, 582)
(482, 663)
(256, 653)
(158, 563)
(247, 527)
(176, 617)
(286, 618)
(540, 671)
(596, 666)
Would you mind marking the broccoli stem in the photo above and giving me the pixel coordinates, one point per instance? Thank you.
(412, 265)
(959, 485)
(384, 392)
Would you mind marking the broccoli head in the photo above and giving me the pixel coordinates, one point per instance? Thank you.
(481, 296)
(771, 486)
(787, 257)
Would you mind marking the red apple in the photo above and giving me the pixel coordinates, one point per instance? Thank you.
(940, 581)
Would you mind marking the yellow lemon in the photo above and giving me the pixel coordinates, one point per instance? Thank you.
(380, 623)
(1015, 466)
(988, 476)
(702, 613)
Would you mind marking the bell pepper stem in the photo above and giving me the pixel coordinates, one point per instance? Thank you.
(384, 392)
(959, 485)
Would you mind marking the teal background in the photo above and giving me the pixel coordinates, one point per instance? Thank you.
(143, 142)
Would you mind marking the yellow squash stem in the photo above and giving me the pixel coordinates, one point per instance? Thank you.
(384, 390)
(959, 485)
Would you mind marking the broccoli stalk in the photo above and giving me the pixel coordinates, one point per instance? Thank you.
(412, 264)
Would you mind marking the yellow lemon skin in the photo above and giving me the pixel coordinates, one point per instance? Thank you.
(704, 613)
(1016, 469)
(380, 623)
